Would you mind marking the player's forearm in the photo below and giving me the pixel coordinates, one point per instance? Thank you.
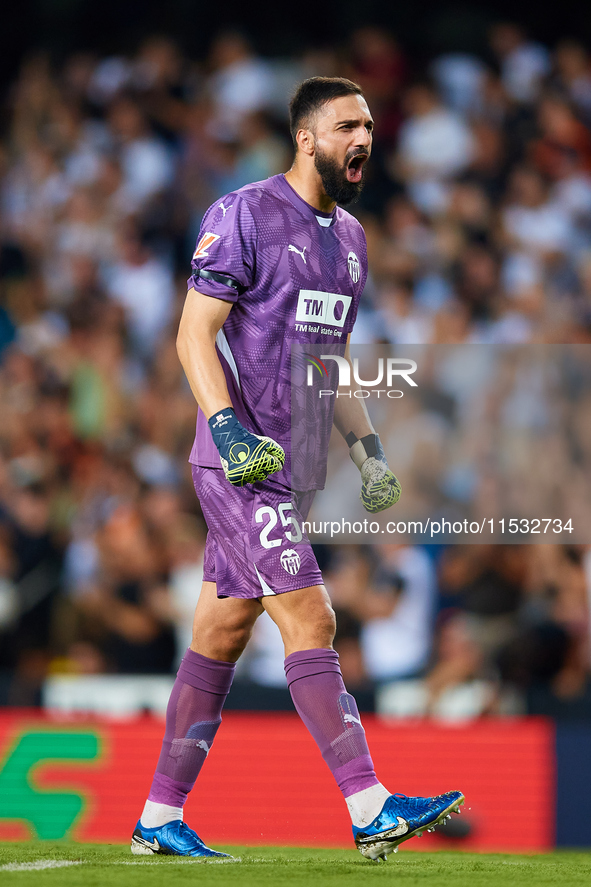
(350, 415)
(201, 320)
(204, 373)
(246, 458)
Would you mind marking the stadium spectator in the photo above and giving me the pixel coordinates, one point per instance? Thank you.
(239, 84)
(434, 145)
(378, 64)
(572, 75)
(524, 63)
(398, 618)
(460, 80)
(143, 285)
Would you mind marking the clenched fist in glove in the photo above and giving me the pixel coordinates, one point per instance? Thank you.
(246, 458)
(379, 487)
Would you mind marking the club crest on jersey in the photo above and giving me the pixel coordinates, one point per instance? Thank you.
(290, 561)
(353, 266)
(204, 244)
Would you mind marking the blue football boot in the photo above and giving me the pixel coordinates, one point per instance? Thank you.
(402, 818)
(173, 839)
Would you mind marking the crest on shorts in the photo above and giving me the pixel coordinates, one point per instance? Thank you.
(290, 561)
(204, 244)
(353, 266)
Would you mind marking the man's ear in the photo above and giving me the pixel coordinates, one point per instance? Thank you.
(305, 141)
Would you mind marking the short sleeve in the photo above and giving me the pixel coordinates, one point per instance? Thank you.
(225, 250)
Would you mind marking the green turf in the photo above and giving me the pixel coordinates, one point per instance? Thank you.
(114, 866)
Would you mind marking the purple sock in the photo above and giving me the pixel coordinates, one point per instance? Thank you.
(330, 714)
(193, 716)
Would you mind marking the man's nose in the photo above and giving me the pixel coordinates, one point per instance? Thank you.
(363, 138)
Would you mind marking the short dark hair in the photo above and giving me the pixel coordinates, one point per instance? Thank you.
(312, 94)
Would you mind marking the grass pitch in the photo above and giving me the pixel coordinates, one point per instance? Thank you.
(87, 865)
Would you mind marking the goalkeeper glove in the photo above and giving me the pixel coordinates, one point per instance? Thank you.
(246, 458)
(379, 487)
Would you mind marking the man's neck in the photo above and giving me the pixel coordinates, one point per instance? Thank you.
(308, 184)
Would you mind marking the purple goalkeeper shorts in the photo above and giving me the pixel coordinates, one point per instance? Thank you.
(255, 545)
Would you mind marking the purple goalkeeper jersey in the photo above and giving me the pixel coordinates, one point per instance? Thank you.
(297, 275)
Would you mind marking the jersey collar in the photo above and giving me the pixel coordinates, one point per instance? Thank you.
(323, 219)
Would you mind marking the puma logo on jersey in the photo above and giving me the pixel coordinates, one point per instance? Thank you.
(204, 244)
(351, 719)
(225, 209)
(300, 252)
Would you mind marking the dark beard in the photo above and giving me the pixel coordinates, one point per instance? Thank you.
(334, 179)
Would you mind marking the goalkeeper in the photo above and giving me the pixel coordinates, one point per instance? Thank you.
(277, 262)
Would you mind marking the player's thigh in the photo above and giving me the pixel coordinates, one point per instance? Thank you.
(222, 626)
(304, 617)
(255, 544)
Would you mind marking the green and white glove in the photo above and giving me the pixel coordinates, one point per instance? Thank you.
(380, 488)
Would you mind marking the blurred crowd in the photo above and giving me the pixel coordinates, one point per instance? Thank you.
(488, 433)
(477, 210)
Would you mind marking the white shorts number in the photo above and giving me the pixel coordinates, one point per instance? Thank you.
(293, 534)
(289, 519)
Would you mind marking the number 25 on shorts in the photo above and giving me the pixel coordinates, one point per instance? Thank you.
(269, 516)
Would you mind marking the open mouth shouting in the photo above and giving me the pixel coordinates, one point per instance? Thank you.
(355, 166)
(343, 183)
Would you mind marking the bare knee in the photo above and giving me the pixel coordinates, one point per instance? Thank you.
(225, 642)
(228, 648)
(305, 618)
(222, 627)
(318, 631)
(326, 625)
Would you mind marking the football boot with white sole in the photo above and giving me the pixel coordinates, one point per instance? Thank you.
(402, 818)
(173, 839)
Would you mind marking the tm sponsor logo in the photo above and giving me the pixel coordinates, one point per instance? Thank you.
(322, 312)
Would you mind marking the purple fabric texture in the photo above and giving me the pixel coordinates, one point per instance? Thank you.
(300, 274)
(330, 714)
(193, 716)
(235, 557)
